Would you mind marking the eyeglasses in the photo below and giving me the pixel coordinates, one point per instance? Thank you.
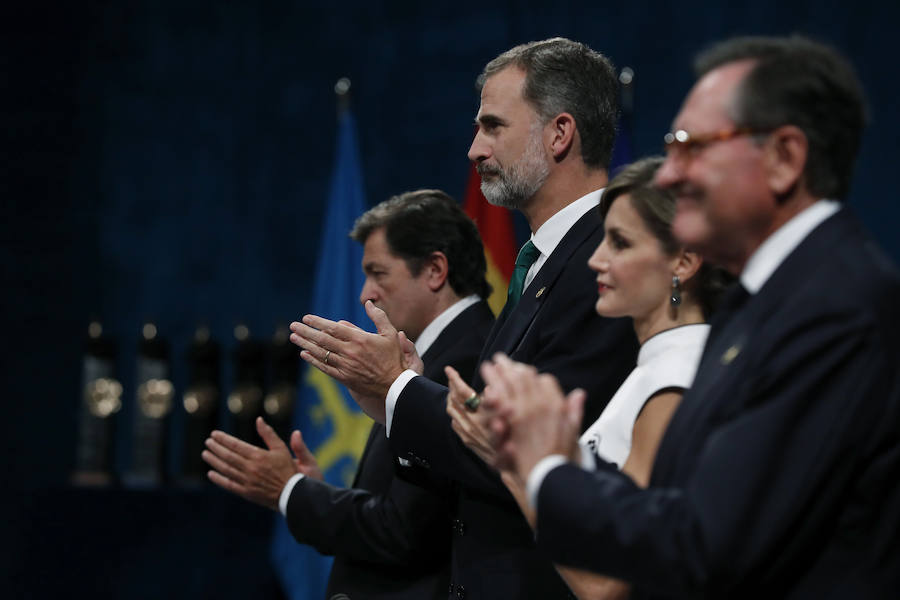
(681, 144)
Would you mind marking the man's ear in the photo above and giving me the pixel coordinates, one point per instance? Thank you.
(562, 134)
(436, 270)
(786, 152)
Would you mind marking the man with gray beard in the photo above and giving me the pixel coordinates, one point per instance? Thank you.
(526, 176)
(545, 133)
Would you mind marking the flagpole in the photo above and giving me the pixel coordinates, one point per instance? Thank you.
(623, 151)
(333, 427)
(626, 79)
(342, 91)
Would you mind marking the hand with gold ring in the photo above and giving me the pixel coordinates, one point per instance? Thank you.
(469, 425)
(325, 359)
(369, 362)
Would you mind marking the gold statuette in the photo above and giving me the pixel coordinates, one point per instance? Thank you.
(103, 397)
(244, 401)
(280, 401)
(200, 400)
(155, 398)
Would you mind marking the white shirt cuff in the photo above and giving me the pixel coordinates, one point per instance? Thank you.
(537, 475)
(393, 395)
(286, 492)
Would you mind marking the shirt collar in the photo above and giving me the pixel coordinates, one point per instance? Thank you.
(776, 248)
(548, 235)
(434, 329)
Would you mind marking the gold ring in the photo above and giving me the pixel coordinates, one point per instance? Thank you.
(472, 402)
(325, 360)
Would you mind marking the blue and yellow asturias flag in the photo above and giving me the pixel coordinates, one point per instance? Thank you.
(332, 425)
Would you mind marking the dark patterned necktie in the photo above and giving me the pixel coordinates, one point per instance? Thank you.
(527, 255)
(732, 301)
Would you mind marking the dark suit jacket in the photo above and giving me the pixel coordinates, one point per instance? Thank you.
(390, 538)
(779, 475)
(554, 327)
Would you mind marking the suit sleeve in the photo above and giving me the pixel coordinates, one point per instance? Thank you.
(397, 528)
(421, 433)
(770, 480)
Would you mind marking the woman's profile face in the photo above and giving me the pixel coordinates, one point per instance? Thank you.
(634, 275)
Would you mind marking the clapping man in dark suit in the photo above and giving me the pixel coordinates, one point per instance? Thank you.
(545, 133)
(425, 268)
(778, 474)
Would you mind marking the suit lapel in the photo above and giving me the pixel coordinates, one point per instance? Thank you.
(737, 330)
(510, 328)
(431, 358)
(475, 316)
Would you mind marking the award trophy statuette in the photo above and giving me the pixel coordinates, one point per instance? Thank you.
(101, 401)
(151, 411)
(200, 402)
(246, 397)
(284, 363)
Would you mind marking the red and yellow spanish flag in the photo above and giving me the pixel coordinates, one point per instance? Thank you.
(496, 229)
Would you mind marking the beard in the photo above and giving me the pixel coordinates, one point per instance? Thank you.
(514, 187)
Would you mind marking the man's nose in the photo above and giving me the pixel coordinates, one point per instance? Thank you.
(479, 150)
(367, 293)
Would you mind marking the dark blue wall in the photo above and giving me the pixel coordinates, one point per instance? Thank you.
(170, 160)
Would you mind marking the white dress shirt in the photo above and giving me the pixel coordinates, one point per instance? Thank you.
(772, 252)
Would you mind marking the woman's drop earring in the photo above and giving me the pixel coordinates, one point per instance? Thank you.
(676, 291)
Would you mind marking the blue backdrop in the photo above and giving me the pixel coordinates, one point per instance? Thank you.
(170, 161)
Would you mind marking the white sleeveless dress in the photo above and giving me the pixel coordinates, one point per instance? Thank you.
(669, 359)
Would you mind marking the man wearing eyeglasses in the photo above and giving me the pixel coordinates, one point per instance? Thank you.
(779, 474)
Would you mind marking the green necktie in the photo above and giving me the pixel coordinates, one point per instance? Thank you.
(527, 255)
